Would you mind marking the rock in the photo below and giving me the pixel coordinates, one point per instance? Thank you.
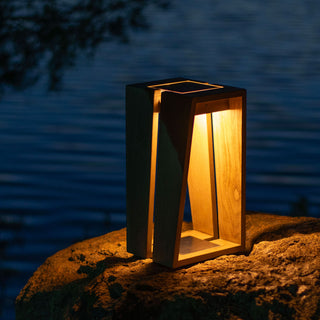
(277, 277)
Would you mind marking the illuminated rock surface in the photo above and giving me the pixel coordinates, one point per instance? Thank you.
(97, 279)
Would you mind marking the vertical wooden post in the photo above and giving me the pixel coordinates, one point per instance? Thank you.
(140, 169)
(228, 140)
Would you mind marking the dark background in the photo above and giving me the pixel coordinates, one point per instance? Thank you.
(63, 70)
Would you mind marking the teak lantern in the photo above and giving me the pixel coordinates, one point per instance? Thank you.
(185, 134)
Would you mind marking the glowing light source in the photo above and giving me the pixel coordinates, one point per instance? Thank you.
(183, 133)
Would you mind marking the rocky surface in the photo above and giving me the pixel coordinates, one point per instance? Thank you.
(278, 277)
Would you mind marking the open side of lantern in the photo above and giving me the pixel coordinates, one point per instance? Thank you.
(197, 139)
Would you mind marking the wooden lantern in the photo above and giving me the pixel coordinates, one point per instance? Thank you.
(185, 134)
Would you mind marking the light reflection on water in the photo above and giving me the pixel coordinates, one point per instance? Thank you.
(62, 166)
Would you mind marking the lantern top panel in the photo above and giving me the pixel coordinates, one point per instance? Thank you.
(193, 89)
(185, 86)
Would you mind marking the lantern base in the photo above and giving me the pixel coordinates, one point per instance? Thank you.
(191, 244)
(197, 246)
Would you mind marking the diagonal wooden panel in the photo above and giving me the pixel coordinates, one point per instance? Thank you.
(174, 143)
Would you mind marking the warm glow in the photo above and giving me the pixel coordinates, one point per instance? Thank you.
(155, 122)
(201, 177)
(214, 183)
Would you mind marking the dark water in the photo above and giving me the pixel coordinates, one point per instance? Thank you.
(62, 163)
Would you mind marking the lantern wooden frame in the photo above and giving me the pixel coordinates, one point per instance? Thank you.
(183, 132)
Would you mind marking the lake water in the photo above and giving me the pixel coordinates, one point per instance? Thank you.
(62, 163)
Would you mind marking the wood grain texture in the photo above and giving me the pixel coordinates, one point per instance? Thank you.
(227, 127)
(243, 168)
